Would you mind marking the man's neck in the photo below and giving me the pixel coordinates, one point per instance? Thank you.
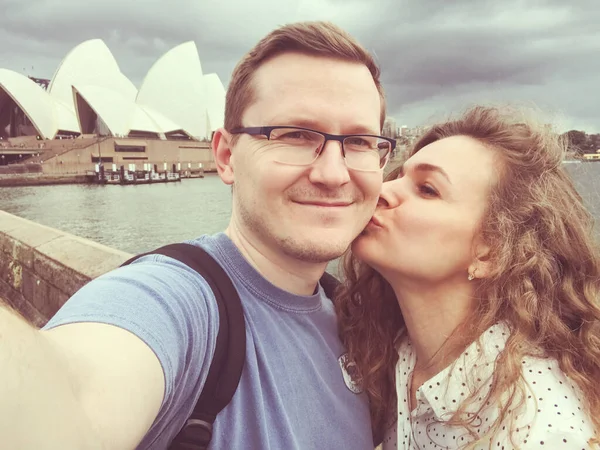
(285, 272)
(432, 313)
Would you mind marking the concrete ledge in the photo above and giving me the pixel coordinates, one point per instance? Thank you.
(20, 169)
(36, 179)
(40, 267)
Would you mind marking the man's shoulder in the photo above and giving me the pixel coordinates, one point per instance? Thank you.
(154, 262)
(218, 245)
(151, 283)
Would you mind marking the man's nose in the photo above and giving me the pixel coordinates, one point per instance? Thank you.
(330, 168)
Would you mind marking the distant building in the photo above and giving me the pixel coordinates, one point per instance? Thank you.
(390, 128)
(89, 95)
(89, 98)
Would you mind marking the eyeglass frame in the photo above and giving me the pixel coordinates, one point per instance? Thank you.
(266, 131)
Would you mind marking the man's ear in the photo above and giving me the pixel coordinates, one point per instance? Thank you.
(221, 150)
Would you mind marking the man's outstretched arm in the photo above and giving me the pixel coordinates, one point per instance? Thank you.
(77, 386)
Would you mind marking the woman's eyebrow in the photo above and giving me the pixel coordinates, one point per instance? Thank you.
(426, 167)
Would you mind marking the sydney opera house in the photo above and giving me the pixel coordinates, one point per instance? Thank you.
(90, 113)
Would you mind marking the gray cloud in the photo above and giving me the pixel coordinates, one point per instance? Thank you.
(436, 55)
(448, 55)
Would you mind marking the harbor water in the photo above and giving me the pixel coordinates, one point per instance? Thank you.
(141, 217)
(132, 218)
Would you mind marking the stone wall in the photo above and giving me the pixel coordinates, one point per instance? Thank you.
(20, 169)
(40, 267)
(30, 179)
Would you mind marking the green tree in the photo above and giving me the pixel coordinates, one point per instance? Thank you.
(594, 142)
(578, 141)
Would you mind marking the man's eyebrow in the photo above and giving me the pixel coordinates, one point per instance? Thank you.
(298, 122)
(425, 167)
(361, 129)
(315, 125)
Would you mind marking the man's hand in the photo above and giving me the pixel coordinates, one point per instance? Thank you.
(78, 386)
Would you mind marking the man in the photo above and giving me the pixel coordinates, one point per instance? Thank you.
(122, 364)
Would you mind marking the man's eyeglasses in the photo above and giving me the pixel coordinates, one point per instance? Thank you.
(302, 146)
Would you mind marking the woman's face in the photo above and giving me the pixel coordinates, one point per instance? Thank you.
(426, 224)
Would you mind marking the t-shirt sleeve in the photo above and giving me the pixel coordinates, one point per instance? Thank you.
(167, 305)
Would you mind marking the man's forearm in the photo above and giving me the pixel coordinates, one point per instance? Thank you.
(38, 407)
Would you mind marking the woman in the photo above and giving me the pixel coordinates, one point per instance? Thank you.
(471, 308)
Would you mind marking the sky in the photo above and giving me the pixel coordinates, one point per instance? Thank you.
(437, 56)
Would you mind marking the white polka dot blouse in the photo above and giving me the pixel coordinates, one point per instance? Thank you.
(553, 416)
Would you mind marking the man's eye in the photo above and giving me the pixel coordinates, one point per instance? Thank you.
(291, 135)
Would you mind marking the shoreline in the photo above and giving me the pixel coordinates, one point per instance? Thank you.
(37, 179)
(20, 180)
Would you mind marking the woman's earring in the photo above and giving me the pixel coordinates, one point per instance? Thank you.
(471, 276)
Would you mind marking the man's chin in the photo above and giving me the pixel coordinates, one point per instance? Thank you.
(317, 248)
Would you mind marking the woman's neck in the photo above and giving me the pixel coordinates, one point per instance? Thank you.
(432, 313)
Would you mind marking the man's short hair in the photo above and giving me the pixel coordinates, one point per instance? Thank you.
(310, 38)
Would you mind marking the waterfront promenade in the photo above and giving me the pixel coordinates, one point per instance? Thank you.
(33, 179)
(41, 267)
(62, 161)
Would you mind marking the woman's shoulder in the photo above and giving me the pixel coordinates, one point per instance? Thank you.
(554, 404)
(544, 378)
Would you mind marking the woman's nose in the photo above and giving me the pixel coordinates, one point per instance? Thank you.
(390, 195)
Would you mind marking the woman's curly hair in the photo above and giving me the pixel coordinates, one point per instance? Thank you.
(544, 284)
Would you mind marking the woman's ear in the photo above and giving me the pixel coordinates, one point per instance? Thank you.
(221, 149)
(481, 267)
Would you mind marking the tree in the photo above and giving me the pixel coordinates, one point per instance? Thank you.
(578, 141)
(594, 142)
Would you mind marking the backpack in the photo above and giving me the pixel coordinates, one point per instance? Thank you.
(230, 350)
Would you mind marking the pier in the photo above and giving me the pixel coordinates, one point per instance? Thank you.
(30, 161)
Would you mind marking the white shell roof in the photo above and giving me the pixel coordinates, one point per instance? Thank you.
(175, 95)
(33, 100)
(90, 63)
(165, 124)
(114, 109)
(67, 120)
(174, 86)
(215, 100)
(122, 115)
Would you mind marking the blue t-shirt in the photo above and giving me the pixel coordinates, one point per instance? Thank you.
(293, 393)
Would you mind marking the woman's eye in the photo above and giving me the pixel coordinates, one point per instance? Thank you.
(427, 190)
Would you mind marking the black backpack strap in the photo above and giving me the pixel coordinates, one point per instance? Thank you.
(330, 284)
(230, 351)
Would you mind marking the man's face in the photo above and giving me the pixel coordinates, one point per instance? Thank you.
(311, 213)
